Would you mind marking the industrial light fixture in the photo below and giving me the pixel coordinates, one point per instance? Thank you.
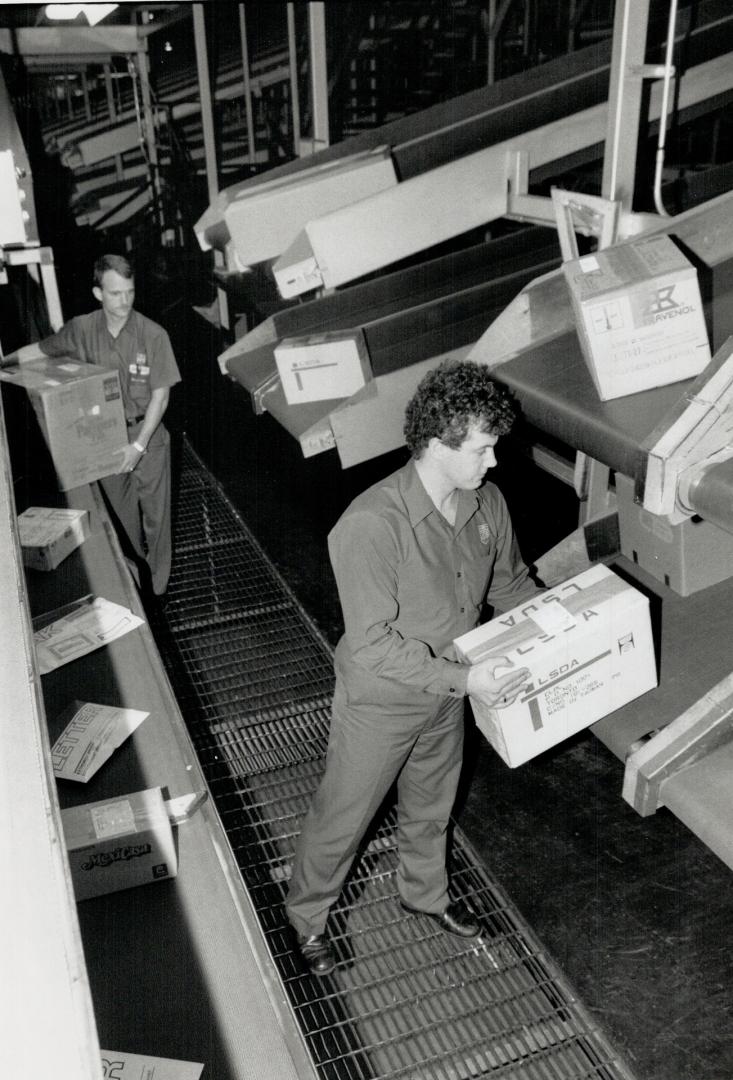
(94, 12)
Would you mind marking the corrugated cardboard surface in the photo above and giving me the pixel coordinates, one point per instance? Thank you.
(599, 657)
(639, 316)
(49, 533)
(79, 411)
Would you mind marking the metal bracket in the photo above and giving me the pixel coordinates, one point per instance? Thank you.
(692, 735)
(588, 215)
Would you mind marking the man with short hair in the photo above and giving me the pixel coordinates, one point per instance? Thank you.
(415, 558)
(117, 336)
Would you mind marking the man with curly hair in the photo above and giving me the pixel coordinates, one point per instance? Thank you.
(415, 557)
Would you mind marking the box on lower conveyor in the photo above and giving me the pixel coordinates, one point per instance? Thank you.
(318, 367)
(639, 315)
(119, 842)
(588, 646)
(79, 411)
(49, 533)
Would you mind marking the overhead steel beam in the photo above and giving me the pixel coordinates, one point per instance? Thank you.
(71, 40)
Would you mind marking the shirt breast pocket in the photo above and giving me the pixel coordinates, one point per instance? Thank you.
(478, 570)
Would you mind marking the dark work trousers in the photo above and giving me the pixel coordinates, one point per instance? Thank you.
(141, 501)
(368, 749)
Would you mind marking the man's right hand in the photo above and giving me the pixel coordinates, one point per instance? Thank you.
(495, 690)
(23, 355)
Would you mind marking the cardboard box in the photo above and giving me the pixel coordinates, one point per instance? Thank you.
(119, 843)
(588, 646)
(686, 556)
(639, 316)
(322, 366)
(79, 410)
(48, 534)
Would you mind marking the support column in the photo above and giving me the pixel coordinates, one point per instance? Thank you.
(294, 94)
(150, 139)
(318, 74)
(631, 19)
(247, 86)
(207, 123)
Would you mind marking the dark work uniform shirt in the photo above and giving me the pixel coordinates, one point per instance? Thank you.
(409, 582)
(141, 353)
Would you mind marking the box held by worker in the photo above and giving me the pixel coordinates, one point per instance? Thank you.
(318, 367)
(79, 410)
(49, 533)
(120, 842)
(639, 315)
(588, 646)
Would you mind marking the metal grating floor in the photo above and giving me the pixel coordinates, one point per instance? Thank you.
(253, 677)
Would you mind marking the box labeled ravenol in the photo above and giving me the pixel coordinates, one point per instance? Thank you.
(119, 843)
(49, 533)
(588, 646)
(323, 366)
(79, 411)
(639, 316)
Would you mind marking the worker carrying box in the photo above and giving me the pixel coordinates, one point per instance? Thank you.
(639, 316)
(588, 646)
(79, 411)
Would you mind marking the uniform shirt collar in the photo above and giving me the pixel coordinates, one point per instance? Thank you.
(419, 504)
(128, 328)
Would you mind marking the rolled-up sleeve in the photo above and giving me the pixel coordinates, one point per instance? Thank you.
(365, 558)
(65, 342)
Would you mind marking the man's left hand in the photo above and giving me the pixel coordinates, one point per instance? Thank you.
(130, 458)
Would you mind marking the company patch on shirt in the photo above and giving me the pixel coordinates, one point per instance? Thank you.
(140, 368)
(484, 533)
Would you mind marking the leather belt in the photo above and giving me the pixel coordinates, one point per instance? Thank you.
(132, 420)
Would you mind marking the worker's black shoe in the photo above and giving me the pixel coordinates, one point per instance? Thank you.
(317, 954)
(456, 919)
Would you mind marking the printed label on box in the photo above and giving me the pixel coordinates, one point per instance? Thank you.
(592, 655)
(112, 820)
(92, 734)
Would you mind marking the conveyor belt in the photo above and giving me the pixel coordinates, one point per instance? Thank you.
(253, 678)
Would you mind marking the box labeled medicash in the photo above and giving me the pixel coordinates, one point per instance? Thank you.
(79, 410)
(49, 533)
(639, 316)
(588, 646)
(118, 843)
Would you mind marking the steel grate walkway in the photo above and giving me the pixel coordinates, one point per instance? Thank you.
(253, 677)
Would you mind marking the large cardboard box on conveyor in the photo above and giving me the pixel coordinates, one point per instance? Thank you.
(588, 646)
(79, 411)
(639, 316)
